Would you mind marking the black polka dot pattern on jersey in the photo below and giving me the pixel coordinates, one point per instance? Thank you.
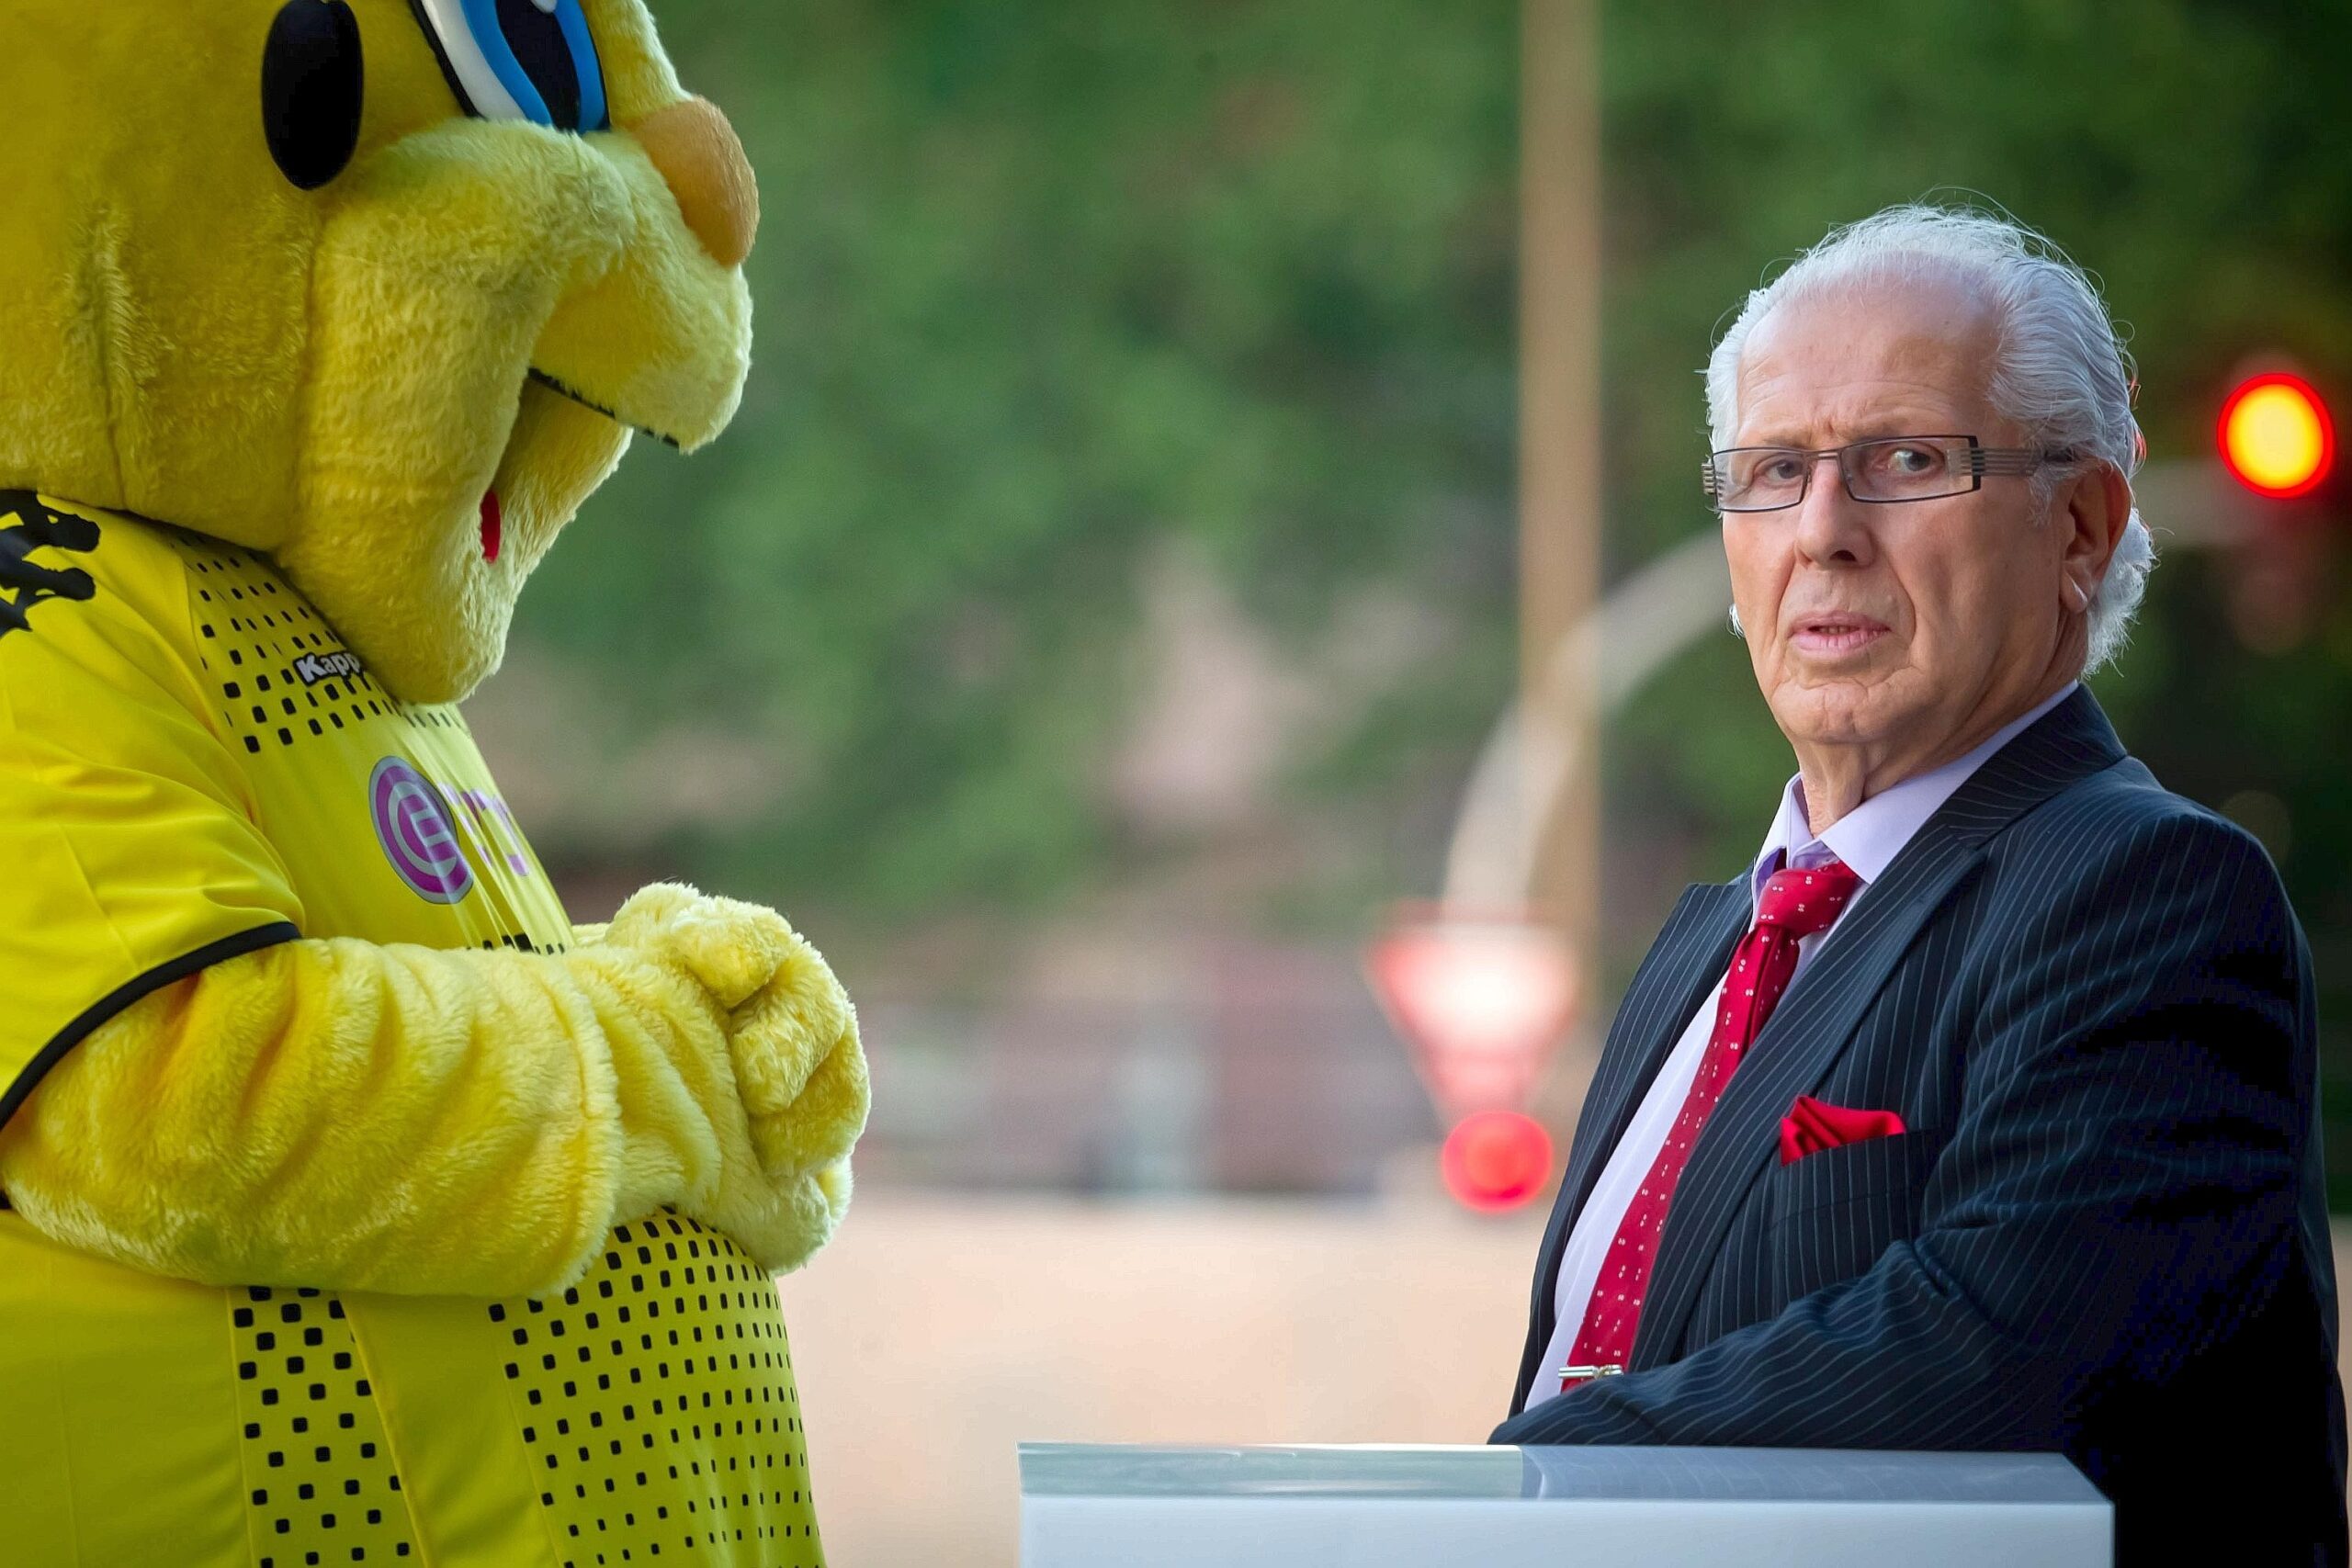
(254, 639)
(321, 1487)
(1794, 905)
(657, 1402)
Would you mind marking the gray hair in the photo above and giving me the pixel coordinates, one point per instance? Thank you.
(2062, 372)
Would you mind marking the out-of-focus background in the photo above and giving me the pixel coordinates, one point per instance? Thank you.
(1101, 608)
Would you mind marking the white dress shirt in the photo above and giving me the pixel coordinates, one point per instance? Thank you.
(1867, 839)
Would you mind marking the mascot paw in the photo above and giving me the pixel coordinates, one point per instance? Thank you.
(799, 1066)
(782, 1226)
(791, 1039)
(732, 948)
(818, 1130)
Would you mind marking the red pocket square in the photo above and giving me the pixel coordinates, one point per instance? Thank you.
(1812, 1125)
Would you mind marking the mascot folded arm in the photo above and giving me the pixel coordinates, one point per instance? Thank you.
(355, 1206)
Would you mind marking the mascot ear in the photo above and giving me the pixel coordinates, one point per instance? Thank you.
(311, 83)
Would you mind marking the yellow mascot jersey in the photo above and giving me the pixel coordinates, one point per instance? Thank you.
(149, 679)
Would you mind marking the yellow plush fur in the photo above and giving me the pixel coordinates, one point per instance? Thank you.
(401, 1119)
(798, 1087)
(335, 377)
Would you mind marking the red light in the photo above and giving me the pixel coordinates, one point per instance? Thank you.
(1495, 1160)
(2275, 436)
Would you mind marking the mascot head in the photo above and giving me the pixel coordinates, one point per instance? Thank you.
(378, 288)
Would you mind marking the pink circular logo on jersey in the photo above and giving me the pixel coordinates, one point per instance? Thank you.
(412, 824)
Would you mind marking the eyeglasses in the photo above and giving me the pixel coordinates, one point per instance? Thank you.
(1889, 468)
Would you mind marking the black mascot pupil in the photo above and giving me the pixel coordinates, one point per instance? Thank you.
(313, 81)
(537, 40)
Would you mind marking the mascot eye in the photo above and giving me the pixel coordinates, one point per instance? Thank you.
(530, 59)
(311, 83)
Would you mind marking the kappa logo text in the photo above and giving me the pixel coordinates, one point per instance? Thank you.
(314, 668)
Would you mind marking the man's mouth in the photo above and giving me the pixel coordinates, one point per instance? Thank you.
(1835, 636)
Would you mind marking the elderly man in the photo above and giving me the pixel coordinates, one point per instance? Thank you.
(1978, 1113)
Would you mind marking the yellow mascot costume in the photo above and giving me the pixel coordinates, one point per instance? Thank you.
(358, 1208)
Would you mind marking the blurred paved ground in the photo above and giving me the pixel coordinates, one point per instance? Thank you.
(938, 1333)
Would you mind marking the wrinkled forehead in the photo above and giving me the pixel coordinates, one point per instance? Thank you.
(1870, 355)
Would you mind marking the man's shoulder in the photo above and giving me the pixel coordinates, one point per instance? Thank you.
(2122, 826)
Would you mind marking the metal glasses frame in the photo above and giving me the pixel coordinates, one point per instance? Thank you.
(1981, 460)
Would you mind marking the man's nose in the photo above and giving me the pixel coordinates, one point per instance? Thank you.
(1832, 526)
(699, 153)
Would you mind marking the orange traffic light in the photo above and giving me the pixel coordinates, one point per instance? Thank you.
(2275, 436)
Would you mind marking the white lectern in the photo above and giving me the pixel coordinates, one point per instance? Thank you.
(1083, 1505)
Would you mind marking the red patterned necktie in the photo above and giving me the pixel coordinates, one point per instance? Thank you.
(1794, 905)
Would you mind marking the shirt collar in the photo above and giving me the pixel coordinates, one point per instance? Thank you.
(1868, 838)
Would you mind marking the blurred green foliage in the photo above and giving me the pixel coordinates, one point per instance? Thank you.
(1039, 286)
(1043, 284)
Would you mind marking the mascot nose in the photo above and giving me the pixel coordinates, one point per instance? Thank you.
(697, 150)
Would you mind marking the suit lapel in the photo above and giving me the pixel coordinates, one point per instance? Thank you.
(1793, 1053)
(1813, 1025)
(1687, 960)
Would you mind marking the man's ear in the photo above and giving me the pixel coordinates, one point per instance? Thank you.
(2093, 507)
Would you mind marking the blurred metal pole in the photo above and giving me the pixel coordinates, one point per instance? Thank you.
(1559, 434)
(1531, 758)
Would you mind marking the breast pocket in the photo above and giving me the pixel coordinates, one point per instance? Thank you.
(1835, 1211)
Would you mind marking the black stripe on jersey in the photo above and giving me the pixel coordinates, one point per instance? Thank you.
(122, 996)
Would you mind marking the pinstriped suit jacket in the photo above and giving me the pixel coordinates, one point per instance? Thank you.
(2105, 1231)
